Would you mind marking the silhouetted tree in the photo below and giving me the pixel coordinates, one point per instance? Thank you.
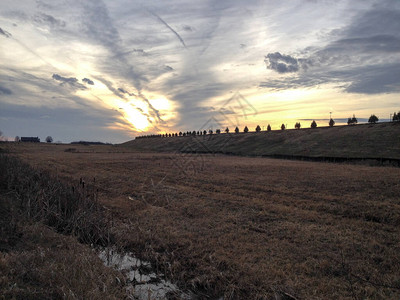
(184, 134)
(17, 139)
(352, 121)
(194, 132)
(236, 130)
(210, 131)
(373, 119)
(218, 131)
(396, 117)
(269, 127)
(283, 127)
(180, 133)
(297, 125)
(313, 124)
(245, 129)
(227, 130)
(49, 139)
(331, 123)
(258, 128)
(204, 132)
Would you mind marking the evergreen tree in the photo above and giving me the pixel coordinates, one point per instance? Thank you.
(331, 123)
(297, 125)
(258, 128)
(245, 129)
(236, 130)
(218, 131)
(227, 130)
(283, 127)
(313, 124)
(269, 127)
(354, 120)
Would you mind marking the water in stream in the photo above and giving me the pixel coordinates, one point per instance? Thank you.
(142, 282)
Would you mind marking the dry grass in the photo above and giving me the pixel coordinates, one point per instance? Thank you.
(361, 141)
(247, 227)
(37, 263)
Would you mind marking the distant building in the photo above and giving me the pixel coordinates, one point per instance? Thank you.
(30, 139)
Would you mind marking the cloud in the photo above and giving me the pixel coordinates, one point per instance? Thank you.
(362, 57)
(126, 92)
(44, 19)
(88, 81)
(71, 81)
(187, 28)
(168, 68)
(5, 33)
(140, 51)
(281, 63)
(5, 91)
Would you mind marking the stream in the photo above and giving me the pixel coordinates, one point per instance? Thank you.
(142, 282)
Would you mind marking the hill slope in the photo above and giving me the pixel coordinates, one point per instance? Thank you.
(361, 141)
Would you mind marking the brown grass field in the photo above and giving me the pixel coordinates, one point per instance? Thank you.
(245, 228)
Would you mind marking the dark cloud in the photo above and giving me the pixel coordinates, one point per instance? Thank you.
(88, 124)
(281, 63)
(383, 18)
(140, 51)
(88, 81)
(5, 33)
(126, 92)
(71, 81)
(98, 26)
(5, 91)
(168, 68)
(187, 28)
(375, 80)
(44, 19)
(363, 58)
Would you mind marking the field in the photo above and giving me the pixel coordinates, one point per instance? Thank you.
(245, 228)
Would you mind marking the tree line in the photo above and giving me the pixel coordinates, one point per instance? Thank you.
(350, 121)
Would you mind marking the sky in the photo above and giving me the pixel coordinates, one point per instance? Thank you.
(112, 70)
